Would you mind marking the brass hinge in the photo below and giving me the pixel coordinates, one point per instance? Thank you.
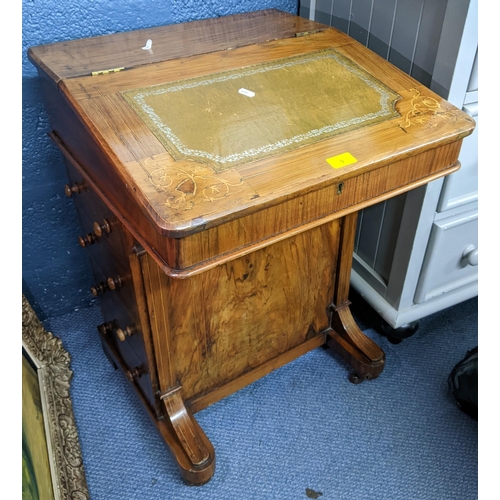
(106, 71)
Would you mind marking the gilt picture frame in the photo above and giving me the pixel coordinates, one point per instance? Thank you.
(52, 458)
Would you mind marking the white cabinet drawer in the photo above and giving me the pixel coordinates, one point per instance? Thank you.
(461, 187)
(451, 257)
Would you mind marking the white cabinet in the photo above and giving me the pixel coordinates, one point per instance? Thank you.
(452, 257)
(417, 254)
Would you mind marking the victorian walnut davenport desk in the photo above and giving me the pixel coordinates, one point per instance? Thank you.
(217, 175)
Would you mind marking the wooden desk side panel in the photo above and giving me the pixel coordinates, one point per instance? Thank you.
(215, 328)
(112, 255)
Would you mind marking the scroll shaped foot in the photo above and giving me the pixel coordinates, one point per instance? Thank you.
(190, 446)
(353, 346)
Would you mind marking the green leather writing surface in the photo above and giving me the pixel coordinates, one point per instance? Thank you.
(225, 119)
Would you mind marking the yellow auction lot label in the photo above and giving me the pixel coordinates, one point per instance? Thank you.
(342, 160)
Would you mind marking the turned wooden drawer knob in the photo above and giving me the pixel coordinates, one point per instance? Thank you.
(114, 283)
(126, 332)
(76, 188)
(135, 373)
(88, 239)
(105, 328)
(98, 289)
(100, 229)
(110, 283)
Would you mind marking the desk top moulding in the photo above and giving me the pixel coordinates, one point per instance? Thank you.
(234, 154)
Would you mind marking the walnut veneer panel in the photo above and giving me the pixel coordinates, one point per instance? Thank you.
(279, 296)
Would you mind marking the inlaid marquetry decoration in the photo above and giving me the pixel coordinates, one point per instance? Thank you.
(423, 111)
(185, 185)
(228, 118)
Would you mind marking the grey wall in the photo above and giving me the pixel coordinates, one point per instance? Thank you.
(56, 271)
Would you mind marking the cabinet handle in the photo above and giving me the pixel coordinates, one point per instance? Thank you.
(114, 283)
(126, 332)
(470, 255)
(99, 288)
(105, 328)
(76, 188)
(88, 239)
(109, 284)
(136, 373)
(100, 229)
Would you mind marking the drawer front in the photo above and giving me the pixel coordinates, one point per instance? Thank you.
(99, 224)
(103, 237)
(451, 258)
(124, 334)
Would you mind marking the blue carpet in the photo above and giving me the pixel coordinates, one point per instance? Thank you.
(303, 431)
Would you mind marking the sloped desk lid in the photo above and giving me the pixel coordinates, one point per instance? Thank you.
(206, 138)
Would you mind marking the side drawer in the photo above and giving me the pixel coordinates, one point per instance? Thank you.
(451, 258)
(103, 236)
(98, 222)
(122, 331)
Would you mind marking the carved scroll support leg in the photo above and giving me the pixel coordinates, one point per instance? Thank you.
(354, 347)
(190, 446)
(346, 339)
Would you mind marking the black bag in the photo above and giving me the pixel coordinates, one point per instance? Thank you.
(463, 383)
